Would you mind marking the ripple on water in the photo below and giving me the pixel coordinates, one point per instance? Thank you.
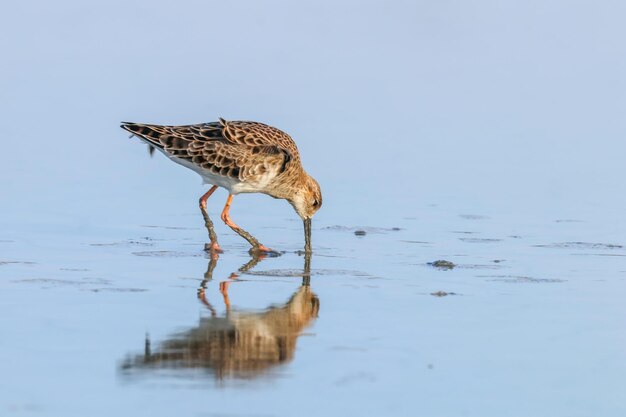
(473, 217)
(580, 245)
(129, 242)
(118, 289)
(169, 227)
(17, 263)
(518, 279)
(299, 273)
(361, 229)
(443, 266)
(168, 254)
(53, 282)
(478, 240)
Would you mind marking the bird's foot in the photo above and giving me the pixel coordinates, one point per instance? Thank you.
(201, 294)
(213, 248)
(262, 250)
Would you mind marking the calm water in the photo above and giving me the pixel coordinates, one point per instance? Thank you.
(488, 135)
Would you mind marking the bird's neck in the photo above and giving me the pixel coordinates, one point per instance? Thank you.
(290, 184)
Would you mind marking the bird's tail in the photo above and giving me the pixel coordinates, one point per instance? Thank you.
(148, 133)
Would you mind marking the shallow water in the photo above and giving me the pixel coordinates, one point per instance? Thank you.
(529, 317)
(489, 136)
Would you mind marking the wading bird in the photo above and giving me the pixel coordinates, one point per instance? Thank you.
(242, 157)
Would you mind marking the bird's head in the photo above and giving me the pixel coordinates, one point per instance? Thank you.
(307, 199)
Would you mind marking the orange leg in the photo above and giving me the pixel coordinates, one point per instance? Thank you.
(213, 247)
(256, 245)
(224, 289)
(256, 258)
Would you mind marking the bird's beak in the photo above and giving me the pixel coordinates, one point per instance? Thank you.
(307, 235)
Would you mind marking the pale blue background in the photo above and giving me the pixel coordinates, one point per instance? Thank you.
(410, 114)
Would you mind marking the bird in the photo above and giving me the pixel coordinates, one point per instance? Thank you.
(242, 157)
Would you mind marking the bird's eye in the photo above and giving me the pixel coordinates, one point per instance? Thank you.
(315, 203)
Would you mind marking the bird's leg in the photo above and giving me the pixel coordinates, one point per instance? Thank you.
(212, 247)
(224, 290)
(257, 247)
(208, 276)
(256, 258)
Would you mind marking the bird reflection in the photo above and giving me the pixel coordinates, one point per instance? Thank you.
(238, 344)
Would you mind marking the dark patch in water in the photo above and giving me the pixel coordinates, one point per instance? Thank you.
(442, 264)
(442, 293)
(360, 232)
(568, 221)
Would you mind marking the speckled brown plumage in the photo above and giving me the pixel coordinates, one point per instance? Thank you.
(239, 150)
(242, 157)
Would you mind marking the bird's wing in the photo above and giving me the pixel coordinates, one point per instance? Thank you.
(233, 149)
(257, 134)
